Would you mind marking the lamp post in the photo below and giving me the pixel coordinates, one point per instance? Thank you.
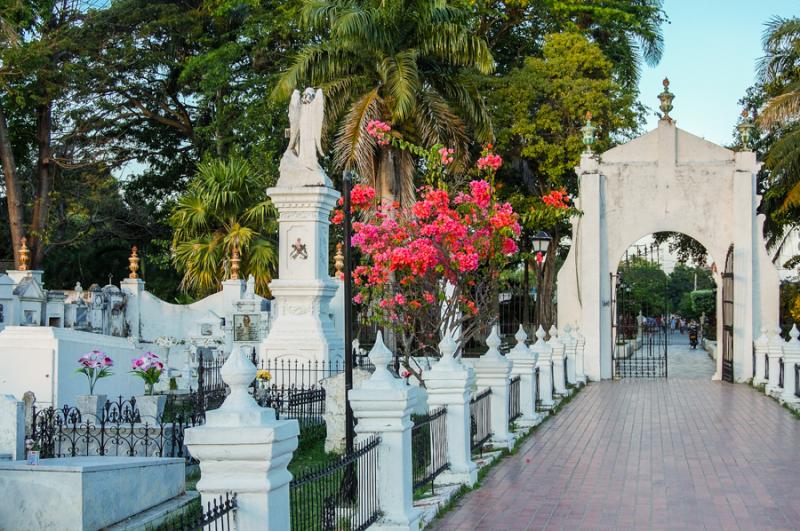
(745, 129)
(540, 243)
(348, 316)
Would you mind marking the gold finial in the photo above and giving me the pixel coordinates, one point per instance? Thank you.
(235, 261)
(133, 262)
(24, 254)
(338, 260)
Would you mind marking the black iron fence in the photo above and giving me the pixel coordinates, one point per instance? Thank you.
(429, 447)
(338, 496)
(780, 372)
(216, 516)
(766, 367)
(797, 379)
(307, 406)
(480, 419)
(119, 430)
(209, 379)
(514, 409)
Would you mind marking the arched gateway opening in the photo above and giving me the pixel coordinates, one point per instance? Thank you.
(664, 313)
(669, 180)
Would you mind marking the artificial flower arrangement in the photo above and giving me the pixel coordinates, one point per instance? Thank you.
(149, 368)
(95, 365)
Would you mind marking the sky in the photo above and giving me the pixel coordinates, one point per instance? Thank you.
(710, 53)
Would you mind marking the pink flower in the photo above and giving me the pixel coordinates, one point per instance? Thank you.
(379, 131)
(509, 246)
(447, 155)
(358, 299)
(399, 299)
(490, 161)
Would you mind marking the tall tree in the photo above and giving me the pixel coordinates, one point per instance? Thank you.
(539, 110)
(34, 77)
(408, 63)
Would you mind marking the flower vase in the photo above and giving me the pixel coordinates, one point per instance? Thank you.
(151, 408)
(91, 405)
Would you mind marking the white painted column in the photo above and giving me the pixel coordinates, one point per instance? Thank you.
(523, 364)
(449, 384)
(791, 357)
(383, 406)
(133, 288)
(775, 355)
(580, 347)
(761, 348)
(492, 370)
(12, 428)
(242, 449)
(544, 361)
(559, 378)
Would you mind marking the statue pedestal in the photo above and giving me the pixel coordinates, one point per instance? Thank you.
(302, 326)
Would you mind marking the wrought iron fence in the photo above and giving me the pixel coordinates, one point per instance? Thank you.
(780, 373)
(538, 402)
(766, 367)
(514, 410)
(217, 516)
(209, 379)
(797, 379)
(120, 430)
(307, 406)
(429, 447)
(299, 374)
(342, 495)
(480, 419)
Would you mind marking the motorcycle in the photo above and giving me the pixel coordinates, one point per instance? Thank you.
(693, 339)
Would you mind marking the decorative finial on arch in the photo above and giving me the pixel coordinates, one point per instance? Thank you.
(745, 129)
(588, 131)
(666, 98)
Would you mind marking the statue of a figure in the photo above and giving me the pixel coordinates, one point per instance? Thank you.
(299, 164)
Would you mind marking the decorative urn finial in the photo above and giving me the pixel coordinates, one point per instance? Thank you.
(666, 98)
(235, 261)
(588, 133)
(338, 260)
(745, 129)
(133, 262)
(24, 254)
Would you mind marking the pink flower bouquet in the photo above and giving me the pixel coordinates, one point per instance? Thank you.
(149, 368)
(95, 365)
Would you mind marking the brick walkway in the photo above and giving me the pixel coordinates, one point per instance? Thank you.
(637, 454)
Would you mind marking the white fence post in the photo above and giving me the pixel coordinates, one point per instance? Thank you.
(559, 383)
(544, 355)
(791, 357)
(242, 449)
(523, 364)
(761, 347)
(383, 406)
(492, 370)
(775, 354)
(449, 384)
(12, 428)
(580, 339)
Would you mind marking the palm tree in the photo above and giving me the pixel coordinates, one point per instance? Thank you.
(410, 63)
(779, 74)
(225, 206)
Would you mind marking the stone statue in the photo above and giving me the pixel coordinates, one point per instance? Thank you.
(299, 164)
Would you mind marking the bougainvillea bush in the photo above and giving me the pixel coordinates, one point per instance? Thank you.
(431, 268)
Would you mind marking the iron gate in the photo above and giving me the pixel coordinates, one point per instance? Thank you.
(638, 342)
(727, 318)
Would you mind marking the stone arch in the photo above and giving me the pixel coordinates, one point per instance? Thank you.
(666, 180)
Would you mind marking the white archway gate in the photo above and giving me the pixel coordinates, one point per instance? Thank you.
(668, 180)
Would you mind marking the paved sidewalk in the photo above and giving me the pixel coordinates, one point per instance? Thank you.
(686, 364)
(638, 454)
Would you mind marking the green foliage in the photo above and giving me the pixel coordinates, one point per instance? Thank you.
(682, 281)
(643, 286)
(225, 206)
(410, 64)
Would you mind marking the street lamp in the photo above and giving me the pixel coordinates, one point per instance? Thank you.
(539, 244)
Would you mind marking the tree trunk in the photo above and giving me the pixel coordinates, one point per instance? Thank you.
(13, 188)
(44, 174)
(546, 285)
